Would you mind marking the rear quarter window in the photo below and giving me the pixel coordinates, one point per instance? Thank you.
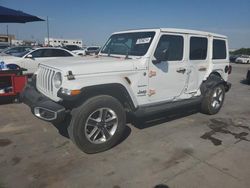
(219, 49)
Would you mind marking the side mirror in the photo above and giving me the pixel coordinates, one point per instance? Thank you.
(29, 56)
(161, 55)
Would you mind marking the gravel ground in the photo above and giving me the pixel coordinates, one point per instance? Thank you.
(183, 150)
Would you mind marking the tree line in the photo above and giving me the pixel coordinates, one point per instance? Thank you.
(245, 51)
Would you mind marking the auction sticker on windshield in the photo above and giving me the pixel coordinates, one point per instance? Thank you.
(143, 40)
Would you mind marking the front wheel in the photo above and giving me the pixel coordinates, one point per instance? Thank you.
(98, 124)
(213, 100)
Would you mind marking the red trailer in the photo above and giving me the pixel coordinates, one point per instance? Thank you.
(12, 83)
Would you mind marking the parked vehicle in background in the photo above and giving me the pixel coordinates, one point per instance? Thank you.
(17, 50)
(80, 52)
(137, 71)
(3, 47)
(30, 59)
(243, 59)
(232, 58)
(72, 47)
(90, 50)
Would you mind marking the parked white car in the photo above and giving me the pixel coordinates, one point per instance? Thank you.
(3, 47)
(90, 50)
(30, 59)
(16, 50)
(243, 59)
(137, 71)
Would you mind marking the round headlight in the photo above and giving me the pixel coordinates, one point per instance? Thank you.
(58, 80)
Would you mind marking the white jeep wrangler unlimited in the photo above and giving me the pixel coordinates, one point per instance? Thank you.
(137, 71)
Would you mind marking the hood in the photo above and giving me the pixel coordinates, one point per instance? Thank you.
(9, 59)
(91, 65)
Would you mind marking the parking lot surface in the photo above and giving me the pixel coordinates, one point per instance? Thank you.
(181, 150)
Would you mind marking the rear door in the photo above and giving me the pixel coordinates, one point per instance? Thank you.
(167, 79)
(60, 53)
(198, 61)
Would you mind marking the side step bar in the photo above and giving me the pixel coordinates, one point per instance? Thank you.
(166, 106)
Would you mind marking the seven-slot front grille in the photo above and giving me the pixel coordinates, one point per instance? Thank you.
(45, 79)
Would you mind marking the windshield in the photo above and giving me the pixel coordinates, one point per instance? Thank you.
(3, 47)
(21, 54)
(134, 44)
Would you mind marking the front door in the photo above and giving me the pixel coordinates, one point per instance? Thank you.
(167, 79)
(31, 62)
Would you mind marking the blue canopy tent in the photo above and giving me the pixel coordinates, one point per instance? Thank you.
(14, 16)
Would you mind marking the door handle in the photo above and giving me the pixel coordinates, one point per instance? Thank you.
(181, 70)
(202, 69)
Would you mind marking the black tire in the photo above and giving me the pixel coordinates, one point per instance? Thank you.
(248, 81)
(78, 128)
(248, 77)
(207, 106)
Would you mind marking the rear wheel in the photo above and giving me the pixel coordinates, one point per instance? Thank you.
(98, 124)
(213, 100)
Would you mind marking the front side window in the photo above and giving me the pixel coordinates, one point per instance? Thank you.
(174, 46)
(219, 49)
(198, 48)
(134, 44)
(47, 53)
(37, 53)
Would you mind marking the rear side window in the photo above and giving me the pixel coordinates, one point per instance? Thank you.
(219, 49)
(174, 45)
(198, 48)
(60, 53)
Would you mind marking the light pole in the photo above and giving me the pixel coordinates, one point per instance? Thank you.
(7, 32)
(48, 30)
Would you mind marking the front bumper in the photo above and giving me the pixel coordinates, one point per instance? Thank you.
(41, 106)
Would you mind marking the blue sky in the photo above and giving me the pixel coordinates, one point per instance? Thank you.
(94, 20)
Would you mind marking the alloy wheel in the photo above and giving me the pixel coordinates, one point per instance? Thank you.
(217, 98)
(101, 125)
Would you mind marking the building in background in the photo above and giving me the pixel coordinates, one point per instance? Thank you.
(62, 42)
(6, 39)
(16, 42)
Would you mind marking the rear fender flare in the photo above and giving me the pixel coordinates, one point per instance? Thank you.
(212, 81)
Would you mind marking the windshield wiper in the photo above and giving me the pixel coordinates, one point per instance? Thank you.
(128, 49)
(127, 52)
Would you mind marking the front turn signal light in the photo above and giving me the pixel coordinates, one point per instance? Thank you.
(75, 92)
